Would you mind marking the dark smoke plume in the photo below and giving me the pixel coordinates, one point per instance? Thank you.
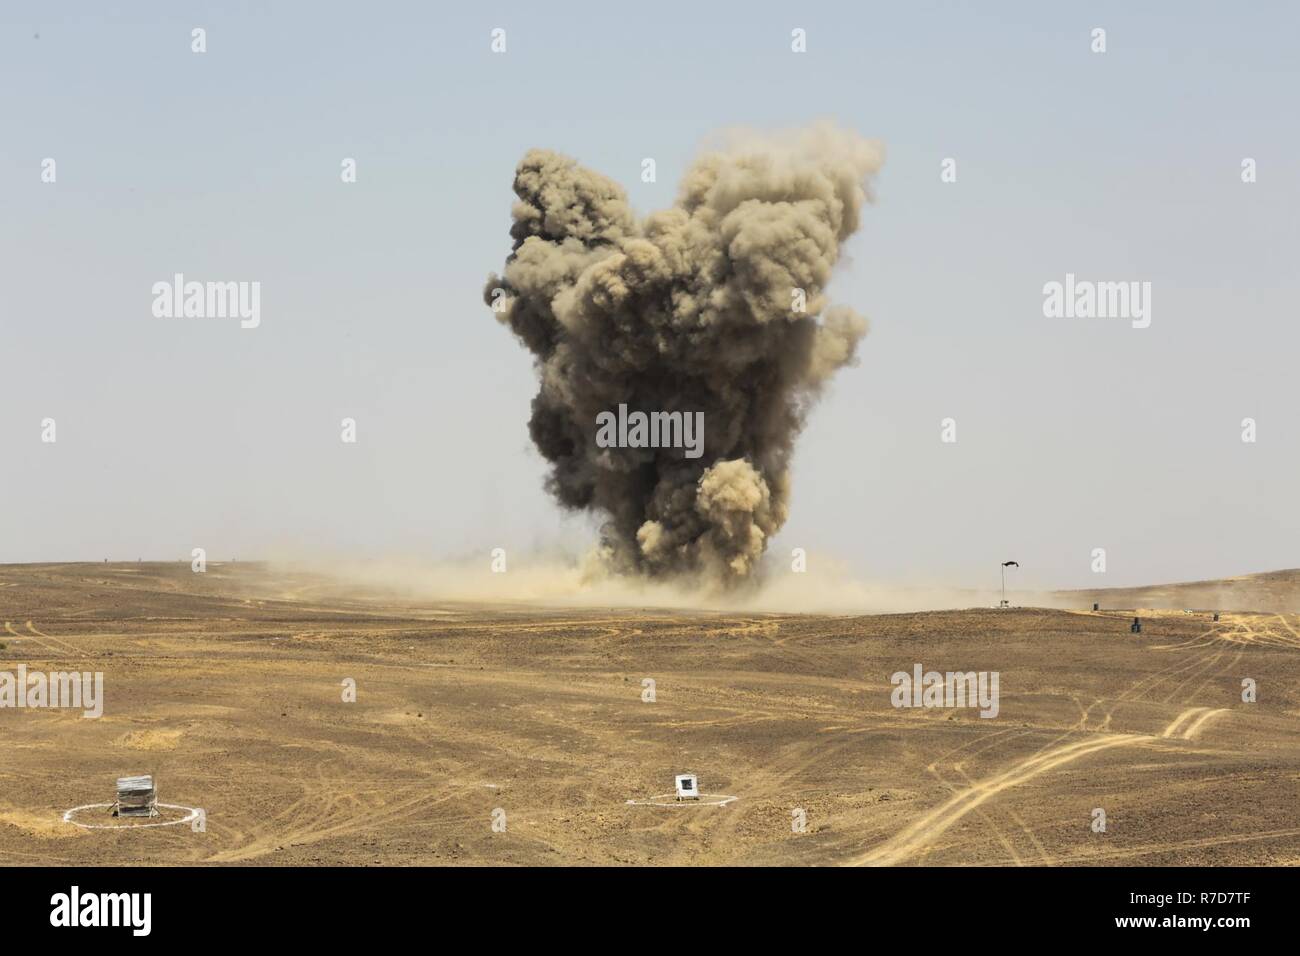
(689, 309)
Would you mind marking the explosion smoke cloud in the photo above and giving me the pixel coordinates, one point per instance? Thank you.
(691, 309)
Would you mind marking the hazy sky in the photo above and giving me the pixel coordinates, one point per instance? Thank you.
(1072, 433)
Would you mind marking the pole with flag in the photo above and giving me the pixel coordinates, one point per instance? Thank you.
(1005, 565)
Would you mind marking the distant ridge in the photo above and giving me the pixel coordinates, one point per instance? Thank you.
(1273, 591)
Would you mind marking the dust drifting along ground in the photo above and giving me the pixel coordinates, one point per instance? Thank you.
(226, 685)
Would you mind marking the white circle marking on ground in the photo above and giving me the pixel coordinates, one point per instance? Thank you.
(670, 800)
(192, 813)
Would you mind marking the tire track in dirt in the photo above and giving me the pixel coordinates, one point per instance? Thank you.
(1176, 727)
(1025, 829)
(1206, 667)
(321, 814)
(774, 784)
(985, 816)
(57, 652)
(930, 826)
(1195, 727)
(1017, 819)
(933, 824)
(1192, 844)
(58, 640)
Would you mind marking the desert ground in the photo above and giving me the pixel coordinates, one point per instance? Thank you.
(228, 686)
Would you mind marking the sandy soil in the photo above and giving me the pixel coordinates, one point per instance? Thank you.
(228, 687)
